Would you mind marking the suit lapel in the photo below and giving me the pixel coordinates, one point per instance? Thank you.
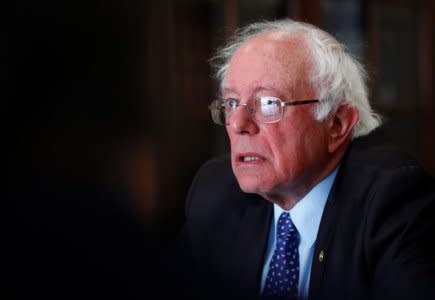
(342, 191)
(250, 244)
(324, 237)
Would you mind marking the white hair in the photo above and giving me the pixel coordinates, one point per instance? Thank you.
(335, 76)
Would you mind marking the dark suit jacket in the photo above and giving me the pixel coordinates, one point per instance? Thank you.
(376, 233)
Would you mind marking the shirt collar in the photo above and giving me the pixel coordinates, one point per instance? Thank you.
(307, 213)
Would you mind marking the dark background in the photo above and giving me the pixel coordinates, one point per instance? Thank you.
(106, 122)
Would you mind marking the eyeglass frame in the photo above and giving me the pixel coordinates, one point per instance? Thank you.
(251, 111)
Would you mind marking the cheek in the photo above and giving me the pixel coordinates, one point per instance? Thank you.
(284, 150)
(230, 137)
(314, 145)
(296, 148)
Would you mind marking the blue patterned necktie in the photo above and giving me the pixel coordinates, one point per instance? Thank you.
(283, 276)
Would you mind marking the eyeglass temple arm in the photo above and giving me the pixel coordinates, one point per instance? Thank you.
(301, 102)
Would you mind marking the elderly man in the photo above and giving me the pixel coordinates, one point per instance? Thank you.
(309, 204)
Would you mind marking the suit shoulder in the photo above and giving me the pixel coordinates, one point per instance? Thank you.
(213, 186)
(386, 178)
(217, 166)
(380, 156)
(374, 168)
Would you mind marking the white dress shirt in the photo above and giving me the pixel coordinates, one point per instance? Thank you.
(306, 216)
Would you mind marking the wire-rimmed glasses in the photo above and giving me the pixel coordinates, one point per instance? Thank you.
(265, 109)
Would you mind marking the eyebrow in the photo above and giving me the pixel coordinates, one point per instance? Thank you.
(267, 88)
(228, 90)
(255, 91)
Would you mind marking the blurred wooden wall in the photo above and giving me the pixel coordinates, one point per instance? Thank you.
(396, 46)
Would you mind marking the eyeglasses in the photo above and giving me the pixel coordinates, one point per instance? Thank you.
(266, 109)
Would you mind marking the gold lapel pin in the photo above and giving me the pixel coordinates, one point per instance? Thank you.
(321, 256)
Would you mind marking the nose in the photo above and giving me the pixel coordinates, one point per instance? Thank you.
(240, 122)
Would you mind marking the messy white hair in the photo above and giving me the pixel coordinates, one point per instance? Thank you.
(335, 75)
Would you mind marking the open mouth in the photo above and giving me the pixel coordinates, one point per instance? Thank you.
(250, 158)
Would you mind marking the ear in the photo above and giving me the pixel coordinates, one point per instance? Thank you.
(340, 125)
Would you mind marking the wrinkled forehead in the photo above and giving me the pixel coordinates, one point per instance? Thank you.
(277, 54)
(279, 38)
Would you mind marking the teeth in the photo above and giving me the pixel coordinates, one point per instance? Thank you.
(250, 158)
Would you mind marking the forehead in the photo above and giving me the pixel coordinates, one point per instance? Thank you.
(273, 59)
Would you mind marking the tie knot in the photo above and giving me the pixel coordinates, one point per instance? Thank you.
(286, 230)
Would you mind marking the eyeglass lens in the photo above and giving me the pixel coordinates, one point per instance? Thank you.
(263, 109)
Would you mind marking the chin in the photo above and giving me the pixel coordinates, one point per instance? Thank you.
(249, 185)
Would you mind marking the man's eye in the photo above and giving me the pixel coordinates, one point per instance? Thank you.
(269, 106)
(233, 103)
